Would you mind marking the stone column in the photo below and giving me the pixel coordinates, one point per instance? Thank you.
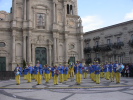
(24, 9)
(14, 10)
(54, 36)
(54, 12)
(50, 54)
(24, 47)
(66, 48)
(13, 46)
(33, 54)
(29, 9)
(81, 43)
(65, 10)
(13, 60)
(57, 48)
(29, 48)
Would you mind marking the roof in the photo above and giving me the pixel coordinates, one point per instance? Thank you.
(108, 27)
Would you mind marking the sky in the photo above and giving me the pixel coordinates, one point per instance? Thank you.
(96, 14)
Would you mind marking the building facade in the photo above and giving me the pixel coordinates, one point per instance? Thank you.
(110, 43)
(46, 30)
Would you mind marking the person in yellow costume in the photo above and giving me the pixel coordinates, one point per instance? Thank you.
(71, 70)
(66, 72)
(61, 69)
(29, 73)
(39, 72)
(78, 71)
(55, 74)
(85, 71)
(102, 71)
(18, 72)
(47, 73)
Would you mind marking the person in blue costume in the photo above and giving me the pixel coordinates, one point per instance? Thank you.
(97, 72)
(55, 74)
(102, 70)
(61, 69)
(91, 71)
(85, 71)
(32, 73)
(47, 73)
(106, 70)
(66, 69)
(26, 73)
(29, 73)
(118, 72)
(111, 71)
(18, 72)
(94, 74)
(39, 72)
(115, 65)
(78, 71)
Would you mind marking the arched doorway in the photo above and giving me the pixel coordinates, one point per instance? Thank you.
(41, 55)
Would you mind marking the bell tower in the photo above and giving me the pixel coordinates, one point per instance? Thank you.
(71, 7)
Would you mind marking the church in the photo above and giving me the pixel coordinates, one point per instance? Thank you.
(49, 31)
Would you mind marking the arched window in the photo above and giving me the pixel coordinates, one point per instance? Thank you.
(71, 9)
(68, 12)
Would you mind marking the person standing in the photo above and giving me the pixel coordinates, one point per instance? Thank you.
(29, 73)
(39, 72)
(78, 70)
(94, 74)
(111, 71)
(66, 69)
(115, 65)
(85, 71)
(118, 73)
(47, 73)
(18, 72)
(91, 71)
(61, 69)
(127, 71)
(56, 72)
(106, 70)
(97, 72)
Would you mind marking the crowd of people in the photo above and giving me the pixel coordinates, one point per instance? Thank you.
(75, 72)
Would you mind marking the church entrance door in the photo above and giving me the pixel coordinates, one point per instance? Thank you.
(41, 55)
(72, 59)
(2, 63)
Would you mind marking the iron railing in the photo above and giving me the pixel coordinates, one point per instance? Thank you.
(6, 75)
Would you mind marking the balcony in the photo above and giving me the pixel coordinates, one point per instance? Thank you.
(87, 50)
(103, 48)
(118, 45)
(130, 43)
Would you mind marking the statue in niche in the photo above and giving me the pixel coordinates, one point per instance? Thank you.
(41, 21)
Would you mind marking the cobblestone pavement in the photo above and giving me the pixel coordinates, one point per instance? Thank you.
(67, 91)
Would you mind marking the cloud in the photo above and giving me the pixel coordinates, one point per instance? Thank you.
(92, 23)
(5, 5)
(129, 16)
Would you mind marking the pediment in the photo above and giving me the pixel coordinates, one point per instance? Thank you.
(40, 6)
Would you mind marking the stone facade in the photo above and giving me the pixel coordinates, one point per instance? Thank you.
(53, 25)
(110, 43)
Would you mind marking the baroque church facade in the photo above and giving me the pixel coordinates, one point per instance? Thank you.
(46, 30)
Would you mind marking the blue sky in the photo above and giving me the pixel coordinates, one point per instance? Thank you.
(96, 13)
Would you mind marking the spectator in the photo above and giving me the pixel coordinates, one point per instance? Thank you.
(127, 71)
